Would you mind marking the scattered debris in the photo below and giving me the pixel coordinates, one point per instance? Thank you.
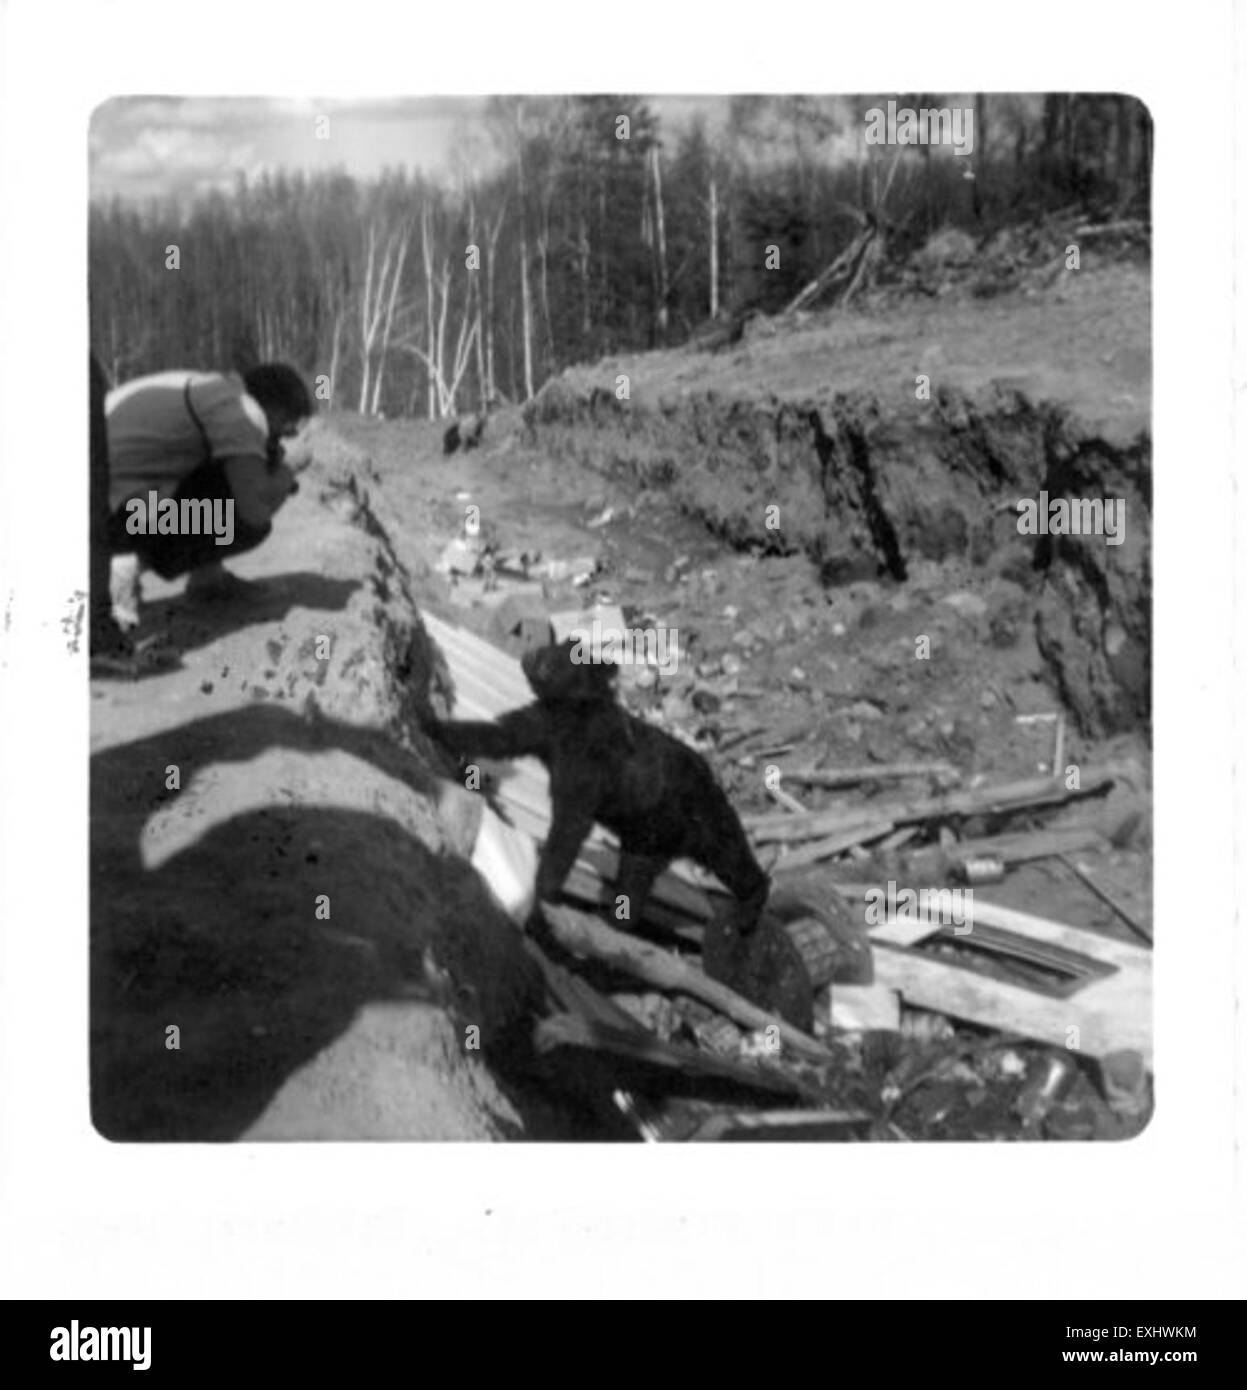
(816, 980)
(860, 833)
(852, 776)
(586, 936)
(1081, 873)
(598, 626)
(782, 1126)
(1042, 979)
(1026, 794)
(1051, 1082)
(578, 571)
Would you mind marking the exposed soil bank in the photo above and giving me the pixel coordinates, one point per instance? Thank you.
(867, 481)
(271, 873)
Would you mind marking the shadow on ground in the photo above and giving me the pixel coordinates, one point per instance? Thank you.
(222, 939)
(188, 624)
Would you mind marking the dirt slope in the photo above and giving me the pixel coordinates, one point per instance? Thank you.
(292, 786)
(795, 648)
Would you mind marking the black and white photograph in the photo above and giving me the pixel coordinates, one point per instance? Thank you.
(621, 617)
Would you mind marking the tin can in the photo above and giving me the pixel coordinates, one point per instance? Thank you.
(986, 868)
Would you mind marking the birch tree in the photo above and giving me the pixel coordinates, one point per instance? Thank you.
(377, 303)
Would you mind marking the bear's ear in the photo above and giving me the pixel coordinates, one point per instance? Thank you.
(546, 669)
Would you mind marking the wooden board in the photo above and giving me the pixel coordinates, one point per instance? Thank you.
(1109, 1000)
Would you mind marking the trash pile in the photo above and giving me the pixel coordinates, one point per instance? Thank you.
(893, 1002)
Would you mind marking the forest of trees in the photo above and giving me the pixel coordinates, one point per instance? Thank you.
(586, 243)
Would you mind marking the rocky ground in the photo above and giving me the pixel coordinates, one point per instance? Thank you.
(302, 775)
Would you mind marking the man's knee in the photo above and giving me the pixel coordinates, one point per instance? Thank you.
(173, 556)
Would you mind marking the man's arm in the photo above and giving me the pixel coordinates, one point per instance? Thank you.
(258, 489)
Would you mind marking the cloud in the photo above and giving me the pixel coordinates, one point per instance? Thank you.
(168, 147)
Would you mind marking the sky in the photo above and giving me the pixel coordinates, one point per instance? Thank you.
(177, 147)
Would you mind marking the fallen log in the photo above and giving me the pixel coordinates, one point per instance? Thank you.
(844, 267)
(575, 1030)
(586, 936)
(977, 801)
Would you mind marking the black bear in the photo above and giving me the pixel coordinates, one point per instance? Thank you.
(656, 795)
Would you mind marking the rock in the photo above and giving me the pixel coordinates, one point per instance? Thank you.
(967, 604)
(706, 701)
(1010, 613)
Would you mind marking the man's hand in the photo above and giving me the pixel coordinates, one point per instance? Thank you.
(259, 489)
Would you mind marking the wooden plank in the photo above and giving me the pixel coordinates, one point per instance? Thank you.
(576, 1030)
(1110, 1012)
(1008, 796)
(586, 936)
(870, 772)
(813, 851)
(783, 1126)
(1108, 1015)
(1079, 872)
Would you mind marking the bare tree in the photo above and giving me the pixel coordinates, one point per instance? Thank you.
(526, 304)
(377, 305)
(712, 204)
(444, 378)
(661, 239)
(491, 388)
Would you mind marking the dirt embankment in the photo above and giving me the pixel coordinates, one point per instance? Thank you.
(870, 479)
(277, 879)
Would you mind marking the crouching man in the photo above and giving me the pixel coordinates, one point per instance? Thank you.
(196, 472)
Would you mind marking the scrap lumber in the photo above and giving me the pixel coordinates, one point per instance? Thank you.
(1018, 847)
(877, 772)
(730, 740)
(862, 1008)
(789, 803)
(977, 801)
(833, 844)
(575, 1030)
(578, 622)
(780, 1125)
(586, 936)
(1079, 872)
(1108, 1010)
(573, 994)
(1021, 847)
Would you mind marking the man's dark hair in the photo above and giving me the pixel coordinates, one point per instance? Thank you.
(279, 388)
